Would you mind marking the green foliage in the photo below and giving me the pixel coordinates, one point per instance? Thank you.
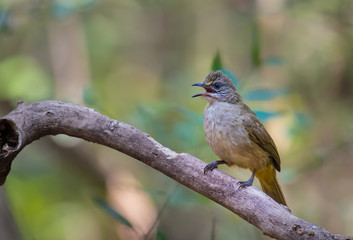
(301, 122)
(274, 61)
(217, 62)
(64, 8)
(266, 115)
(160, 235)
(4, 20)
(89, 96)
(113, 213)
(256, 46)
(264, 94)
(22, 78)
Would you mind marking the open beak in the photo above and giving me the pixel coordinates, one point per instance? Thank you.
(207, 88)
(199, 85)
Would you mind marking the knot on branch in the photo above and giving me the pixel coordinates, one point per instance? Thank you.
(9, 142)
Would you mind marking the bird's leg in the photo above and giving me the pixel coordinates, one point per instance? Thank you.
(243, 184)
(209, 167)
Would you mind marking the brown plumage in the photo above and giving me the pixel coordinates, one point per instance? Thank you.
(237, 136)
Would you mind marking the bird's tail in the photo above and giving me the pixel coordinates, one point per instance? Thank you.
(269, 184)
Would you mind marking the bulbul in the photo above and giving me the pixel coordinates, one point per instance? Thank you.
(237, 136)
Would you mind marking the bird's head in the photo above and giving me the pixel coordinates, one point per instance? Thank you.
(218, 87)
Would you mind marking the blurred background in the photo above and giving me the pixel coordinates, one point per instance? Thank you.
(135, 61)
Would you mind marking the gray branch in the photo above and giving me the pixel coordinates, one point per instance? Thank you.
(29, 122)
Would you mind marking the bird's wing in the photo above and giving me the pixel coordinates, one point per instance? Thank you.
(260, 136)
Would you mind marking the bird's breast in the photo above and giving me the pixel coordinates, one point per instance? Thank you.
(227, 137)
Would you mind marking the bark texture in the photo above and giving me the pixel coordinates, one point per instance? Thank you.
(29, 122)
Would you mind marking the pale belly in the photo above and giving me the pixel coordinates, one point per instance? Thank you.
(229, 140)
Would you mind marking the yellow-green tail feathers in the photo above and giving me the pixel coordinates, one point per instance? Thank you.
(269, 184)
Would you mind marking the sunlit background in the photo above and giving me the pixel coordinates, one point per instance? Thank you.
(135, 61)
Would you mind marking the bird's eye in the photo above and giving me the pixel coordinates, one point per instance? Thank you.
(217, 86)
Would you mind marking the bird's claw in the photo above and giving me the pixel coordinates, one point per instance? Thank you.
(243, 184)
(210, 167)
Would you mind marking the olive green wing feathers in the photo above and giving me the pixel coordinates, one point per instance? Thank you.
(260, 136)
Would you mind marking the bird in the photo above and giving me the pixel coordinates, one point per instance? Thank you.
(237, 136)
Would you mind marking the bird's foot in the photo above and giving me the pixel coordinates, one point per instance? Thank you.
(243, 184)
(211, 166)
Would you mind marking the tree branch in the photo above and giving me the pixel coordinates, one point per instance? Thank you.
(29, 122)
